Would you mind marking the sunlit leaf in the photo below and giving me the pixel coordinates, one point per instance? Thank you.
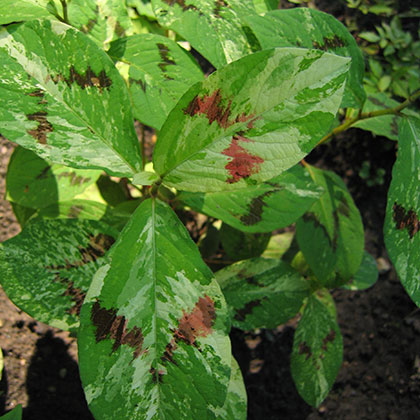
(10, 11)
(317, 352)
(103, 20)
(251, 120)
(159, 73)
(213, 28)
(310, 28)
(402, 225)
(62, 97)
(271, 205)
(262, 293)
(153, 339)
(47, 268)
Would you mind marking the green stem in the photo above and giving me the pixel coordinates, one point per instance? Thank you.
(365, 115)
(65, 14)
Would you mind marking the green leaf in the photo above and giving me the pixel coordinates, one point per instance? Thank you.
(262, 293)
(235, 407)
(15, 414)
(278, 245)
(240, 245)
(385, 125)
(213, 28)
(32, 182)
(402, 226)
(251, 120)
(62, 97)
(22, 214)
(366, 275)
(25, 10)
(262, 6)
(309, 28)
(153, 335)
(111, 191)
(330, 234)
(159, 73)
(272, 205)
(103, 21)
(145, 178)
(47, 268)
(317, 352)
(87, 209)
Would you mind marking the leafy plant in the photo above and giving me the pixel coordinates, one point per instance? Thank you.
(110, 260)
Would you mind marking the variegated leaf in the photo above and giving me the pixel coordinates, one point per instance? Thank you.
(272, 205)
(153, 339)
(402, 221)
(47, 268)
(102, 20)
(62, 97)
(330, 234)
(251, 120)
(317, 352)
(33, 182)
(159, 73)
(213, 27)
(310, 28)
(11, 11)
(262, 293)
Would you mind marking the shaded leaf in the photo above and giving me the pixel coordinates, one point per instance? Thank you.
(235, 407)
(159, 73)
(366, 276)
(1, 363)
(111, 191)
(213, 27)
(103, 21)
(385, 125)
(271, 205)
(310, 28)
(262, 293)
(22, 214)
(262, 6)
(15, 414)
(330, 234)
(62, 97)
(317, 352)
(153, 333)
(33, 182)
(240, 245)
(402, 226)
(47, 268)
(251, 120)
(86, 209)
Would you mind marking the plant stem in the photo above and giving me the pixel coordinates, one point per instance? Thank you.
(143, 157)
(65, 14)
(365, 115)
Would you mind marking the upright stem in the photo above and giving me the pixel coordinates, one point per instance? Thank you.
(65, 13)
(364, 115)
